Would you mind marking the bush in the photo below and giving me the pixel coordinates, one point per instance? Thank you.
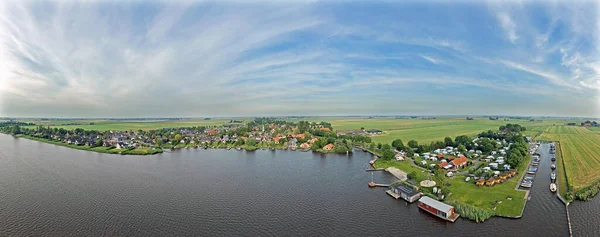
(471, 212)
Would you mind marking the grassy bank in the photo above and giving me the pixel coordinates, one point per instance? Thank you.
(101, 149)
(563, 185)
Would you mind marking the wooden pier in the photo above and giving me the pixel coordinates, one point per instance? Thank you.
(379, 169)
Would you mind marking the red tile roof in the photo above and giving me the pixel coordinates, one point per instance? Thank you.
(459, 161)
(325, 129)
(441, 165)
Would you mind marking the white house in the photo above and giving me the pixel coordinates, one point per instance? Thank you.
(493, 165)
(423, 162)
(486, 169)
(478, 152)
(506, 167)
(494, 152)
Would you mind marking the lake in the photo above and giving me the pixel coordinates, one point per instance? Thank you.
(52, 190)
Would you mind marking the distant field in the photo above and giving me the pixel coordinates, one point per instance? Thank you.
(105, 125)
(580, 148)
(426, 131)
(423, 131)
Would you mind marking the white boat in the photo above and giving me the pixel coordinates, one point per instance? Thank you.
(553, 167)
(553, 176)
(553, 187)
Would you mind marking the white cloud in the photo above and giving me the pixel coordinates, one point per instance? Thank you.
(432, 59)
(508, 25)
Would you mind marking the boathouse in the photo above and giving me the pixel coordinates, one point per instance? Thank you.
(407, 193)
(480, 182)
(439, 209)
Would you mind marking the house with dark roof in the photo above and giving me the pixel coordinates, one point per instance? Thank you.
(407, 193)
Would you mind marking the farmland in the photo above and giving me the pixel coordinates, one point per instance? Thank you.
(425, 131)
(578, 147)
(105, 125)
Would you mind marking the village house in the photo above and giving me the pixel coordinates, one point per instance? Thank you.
(328, 147)
(459, 162)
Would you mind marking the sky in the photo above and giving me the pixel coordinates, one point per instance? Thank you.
(303, 58)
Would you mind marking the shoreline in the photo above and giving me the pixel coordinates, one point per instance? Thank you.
(154, 151)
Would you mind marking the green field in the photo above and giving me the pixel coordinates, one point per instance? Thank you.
(579, 147)
(106, 125)
(426, 131)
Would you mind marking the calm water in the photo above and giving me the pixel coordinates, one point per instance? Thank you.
(51, 190)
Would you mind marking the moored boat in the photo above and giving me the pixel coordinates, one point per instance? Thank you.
(554, 158)
(553, 187)
(553, 167)
(553, 176)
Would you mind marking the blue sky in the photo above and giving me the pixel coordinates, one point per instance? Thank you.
(242, 58)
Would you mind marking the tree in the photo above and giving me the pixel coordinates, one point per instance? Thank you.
(413, 144)
(465, 140)
(398, 144)
(303, 126)
(412, 175)
(448, 141)
(250, 142)
(386, 147)
(462, 148)
(99, 142)
(17, 130)
(177, 137)
(388, 155)
(379, 146)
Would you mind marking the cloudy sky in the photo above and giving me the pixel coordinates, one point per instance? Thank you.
(148, 59)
